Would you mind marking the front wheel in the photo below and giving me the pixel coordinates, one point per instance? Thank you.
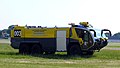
(88, 53)
(74, 50)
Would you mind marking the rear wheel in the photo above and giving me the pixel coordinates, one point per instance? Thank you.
(74, 50)
(24, 49)
(36, 49)
(52, 52)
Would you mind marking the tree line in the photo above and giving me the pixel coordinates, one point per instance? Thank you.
(115, 36)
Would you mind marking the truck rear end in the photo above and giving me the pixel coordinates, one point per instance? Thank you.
(48, 40)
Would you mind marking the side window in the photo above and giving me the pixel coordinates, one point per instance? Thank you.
(86, 36)
(80, 33)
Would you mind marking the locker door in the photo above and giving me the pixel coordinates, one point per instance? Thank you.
(61, 40)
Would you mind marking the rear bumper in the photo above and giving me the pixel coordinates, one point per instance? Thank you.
(15, 45)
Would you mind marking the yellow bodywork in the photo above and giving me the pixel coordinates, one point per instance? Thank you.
(44, 33)
(75, 36)
(39, 32)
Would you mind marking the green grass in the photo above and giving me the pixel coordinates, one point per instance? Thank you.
(114, 45)
(9, 58)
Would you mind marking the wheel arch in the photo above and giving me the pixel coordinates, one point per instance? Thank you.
(73, 43)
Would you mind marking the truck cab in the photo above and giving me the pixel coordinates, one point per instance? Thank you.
(92, 39)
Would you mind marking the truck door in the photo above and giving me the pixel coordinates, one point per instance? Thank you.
(61, 40)
(86, 37)
(88, 41)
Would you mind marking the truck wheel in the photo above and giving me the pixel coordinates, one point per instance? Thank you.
(24, 49)
(50, 52)
(74, 50)
(90, 52)
(36, 49)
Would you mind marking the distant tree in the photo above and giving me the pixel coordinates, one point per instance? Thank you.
(5, 33)
(8, 31)
(116, 36)
(0, 33)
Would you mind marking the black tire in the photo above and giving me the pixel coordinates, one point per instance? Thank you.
(24, 49)
(74, 50)
(88, 52)
(36, 49)
(52, 52)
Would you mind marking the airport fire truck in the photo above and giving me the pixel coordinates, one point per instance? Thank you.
(75, 40)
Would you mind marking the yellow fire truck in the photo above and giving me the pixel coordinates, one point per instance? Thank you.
(75, 40)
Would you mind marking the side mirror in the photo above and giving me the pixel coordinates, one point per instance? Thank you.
(93, 32)
(110, 34)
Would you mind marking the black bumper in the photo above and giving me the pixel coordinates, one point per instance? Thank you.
(99, 45)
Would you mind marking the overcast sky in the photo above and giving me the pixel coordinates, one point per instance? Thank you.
(99, 13)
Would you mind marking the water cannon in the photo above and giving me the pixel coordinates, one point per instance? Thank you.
(81, 25)
(85, 24)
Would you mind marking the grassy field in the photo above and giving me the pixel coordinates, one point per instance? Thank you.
(106, 58)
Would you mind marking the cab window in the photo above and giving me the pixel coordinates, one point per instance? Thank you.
(85, 35)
